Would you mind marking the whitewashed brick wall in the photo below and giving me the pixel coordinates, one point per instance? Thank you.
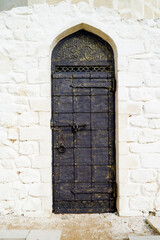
(27, 37)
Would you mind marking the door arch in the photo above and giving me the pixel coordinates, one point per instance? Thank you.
(83, 125)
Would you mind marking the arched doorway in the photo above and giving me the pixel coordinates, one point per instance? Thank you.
(83, 125)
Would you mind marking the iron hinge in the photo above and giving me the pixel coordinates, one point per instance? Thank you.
(115, 190)
(114, 85)
(51, 124)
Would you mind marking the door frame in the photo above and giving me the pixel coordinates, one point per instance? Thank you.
(107, 38)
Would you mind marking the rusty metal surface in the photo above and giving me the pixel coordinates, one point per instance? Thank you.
(83, 124)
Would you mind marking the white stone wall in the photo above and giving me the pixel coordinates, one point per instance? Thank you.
(27, 37)
(135, 9)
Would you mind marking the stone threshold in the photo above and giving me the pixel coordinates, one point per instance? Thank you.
(154, 222)
(144, 238)
(30, 234)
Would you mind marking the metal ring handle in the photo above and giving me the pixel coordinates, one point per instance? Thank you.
(61, 148)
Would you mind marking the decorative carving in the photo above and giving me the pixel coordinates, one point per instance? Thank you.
(83, 47)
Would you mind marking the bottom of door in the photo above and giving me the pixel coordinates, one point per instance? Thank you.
(85, 206)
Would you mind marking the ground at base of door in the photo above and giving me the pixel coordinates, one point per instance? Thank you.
(106, 226)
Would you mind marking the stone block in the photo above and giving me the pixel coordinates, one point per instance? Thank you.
(45, 90)
(130, 47)
(138, 121)
(123, 121)
(150, 160)
(54, 2)
(145, 148)
(152, 80)
(154, 222)
(41, 161)
(14, 107)
(135, 108)
(18, 35)
(157, 203)
(122, 63)
(28, 148)
(23, 162)
(139, 66)
(45, 146)
(46, 175)
(154, 123)
(7, 175)
(44, 118)
(130, 108)
(40, 190)
(148, 189)
(123, 4)
(13, 134)
(31, 204)
(46, 204)
(123, 135)
(24, 64)
(6, 192)
(139, 203)
(3, 134)
(17, 22)
(130, 161)
(157, 93)
(35, 76)
(152, 107)
(29, 176)
(45, 234)
(77, 1)
(123, 148)
(123, 175)
(40, 104)
(7, 152)
(127, 79)
(141, 94)
(123, 93)
(44, 62)
(8, 163)
(148, 136)
(158, 177)
(128, 135)
(123, 204)
(13, 234)
(103, 3)
(19, 77)
(35, 133)
(6, 78)
(148, 11)
(27, 119)
(143, 176)
(130, 213)
(144, 238)
(129, 189)
(128, 32)
(5, 63)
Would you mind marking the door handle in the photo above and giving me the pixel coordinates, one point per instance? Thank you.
(78, 127)
(61, 149)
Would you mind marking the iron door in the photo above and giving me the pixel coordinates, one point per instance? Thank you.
(83, 124)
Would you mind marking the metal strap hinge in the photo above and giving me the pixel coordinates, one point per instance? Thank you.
(115, 190)
(51, 124)
(114, 85)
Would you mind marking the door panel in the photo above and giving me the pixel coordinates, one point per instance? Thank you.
(83, 124)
